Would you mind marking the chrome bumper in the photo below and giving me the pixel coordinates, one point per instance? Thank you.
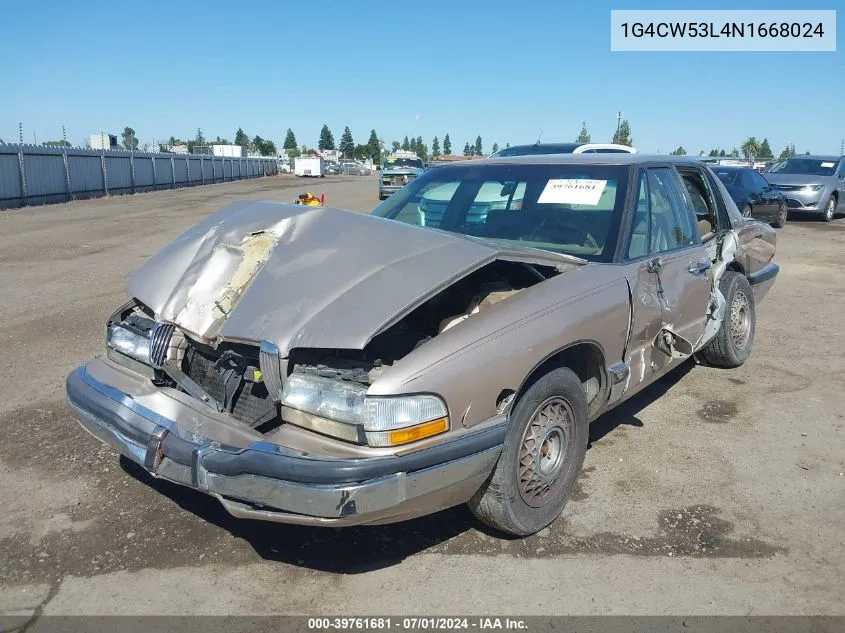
(270, 482)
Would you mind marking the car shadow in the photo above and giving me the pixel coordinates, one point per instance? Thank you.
(626, 413)
(355, 550)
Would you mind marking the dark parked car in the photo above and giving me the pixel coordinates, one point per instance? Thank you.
(753, 194)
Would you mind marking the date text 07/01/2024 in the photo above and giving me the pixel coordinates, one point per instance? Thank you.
(416, 623)
(728, 29)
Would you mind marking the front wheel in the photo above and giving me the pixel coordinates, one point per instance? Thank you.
(829, 209)
(746, 211)
(732, 345)
(542, 456)
(780, 218)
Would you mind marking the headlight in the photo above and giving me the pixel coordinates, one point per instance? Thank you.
(385, 420)
(141, 339)
(327, 398)
(813, 187)
(128, 342)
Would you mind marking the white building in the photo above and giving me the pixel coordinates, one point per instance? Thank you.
(103, 141)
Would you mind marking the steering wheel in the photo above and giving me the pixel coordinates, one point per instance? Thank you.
(557, 225)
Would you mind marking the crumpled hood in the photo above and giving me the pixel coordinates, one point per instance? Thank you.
(301, 276)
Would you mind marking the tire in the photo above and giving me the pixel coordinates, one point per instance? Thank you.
(780, 219)
(829, 209)
(746, 211)
(529, 487)
(734, 342)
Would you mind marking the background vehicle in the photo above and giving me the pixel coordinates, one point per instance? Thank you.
(538, 149)
(308, 166)
(753, 194)
(811, 183)
(399, 169)
(332, 169)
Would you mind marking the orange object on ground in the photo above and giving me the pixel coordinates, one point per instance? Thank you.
(310, 200)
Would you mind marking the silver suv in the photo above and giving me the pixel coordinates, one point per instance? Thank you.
(811, 183)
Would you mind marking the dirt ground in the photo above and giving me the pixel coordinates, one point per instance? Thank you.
(714, 492)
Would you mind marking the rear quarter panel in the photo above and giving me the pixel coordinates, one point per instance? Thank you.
(472, 363)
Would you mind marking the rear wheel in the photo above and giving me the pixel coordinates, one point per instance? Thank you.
(780, 219)
(541, 459)
(829, 209)
(732, 346)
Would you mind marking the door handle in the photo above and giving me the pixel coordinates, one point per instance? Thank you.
(699, 268)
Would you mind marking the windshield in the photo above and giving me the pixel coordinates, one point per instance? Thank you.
(728, 176)
(403, 163)
(536, 150)
(571, 209)
(806, 167)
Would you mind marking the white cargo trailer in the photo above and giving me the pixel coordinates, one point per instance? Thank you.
(308, 166)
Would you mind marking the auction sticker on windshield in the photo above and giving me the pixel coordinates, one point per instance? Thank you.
(572, 191)
(827, 164)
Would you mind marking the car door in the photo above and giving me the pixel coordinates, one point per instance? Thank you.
(770, 199)
(668, 273)
(840, 174)
(759, 208)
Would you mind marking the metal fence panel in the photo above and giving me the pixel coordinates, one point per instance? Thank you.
(53, 174)
(119, 173)
(86, 174)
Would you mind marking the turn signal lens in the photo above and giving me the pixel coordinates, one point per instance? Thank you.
(408, 434)
(419, 432)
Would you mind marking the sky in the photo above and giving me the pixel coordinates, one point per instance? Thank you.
(507, 71)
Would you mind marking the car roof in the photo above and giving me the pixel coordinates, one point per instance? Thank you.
(832, 157)
(579, 159)
(731, 168)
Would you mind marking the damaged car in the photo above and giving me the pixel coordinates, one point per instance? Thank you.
(323, 367)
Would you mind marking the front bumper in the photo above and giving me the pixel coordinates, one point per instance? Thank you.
(271, 482)
(386, 190)
(799, 200)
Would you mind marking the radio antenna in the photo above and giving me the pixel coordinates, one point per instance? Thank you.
(539, 137)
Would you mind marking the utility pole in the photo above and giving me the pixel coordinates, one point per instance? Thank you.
(64, 135)
(618, 125)
(20, 133)
(842, 147)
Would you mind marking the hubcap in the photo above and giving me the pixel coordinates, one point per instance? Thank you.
(542, 452)
(831, 205)
(782, 215)
(740, 321)
(746, 211)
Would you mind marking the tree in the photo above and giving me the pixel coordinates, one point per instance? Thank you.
(406, 145)
(735, 152)
(583, 135)
(765, 150)
(421, 149)
(435, 147)
(467, 149)
(395, 146)
(751, 147)
(290, 140)
(713, 152)
(412, 145)
(507, 144)
(721, 153)
(61, 143)
(477, 147)
(680, 151)
(326, 141)
(788, 152)
(347, 145)
(495, 147)
(130, 141)
(374, 146)
(221, 141)
(242, 139)
(447, 145)
(623, 134)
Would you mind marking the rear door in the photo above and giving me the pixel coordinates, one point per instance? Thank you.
(668, 273)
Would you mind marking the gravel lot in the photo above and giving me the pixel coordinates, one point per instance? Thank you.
(713, 492)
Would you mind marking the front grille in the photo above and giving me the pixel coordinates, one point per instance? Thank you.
(788, 187)
(221, 375)
(159, 340)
